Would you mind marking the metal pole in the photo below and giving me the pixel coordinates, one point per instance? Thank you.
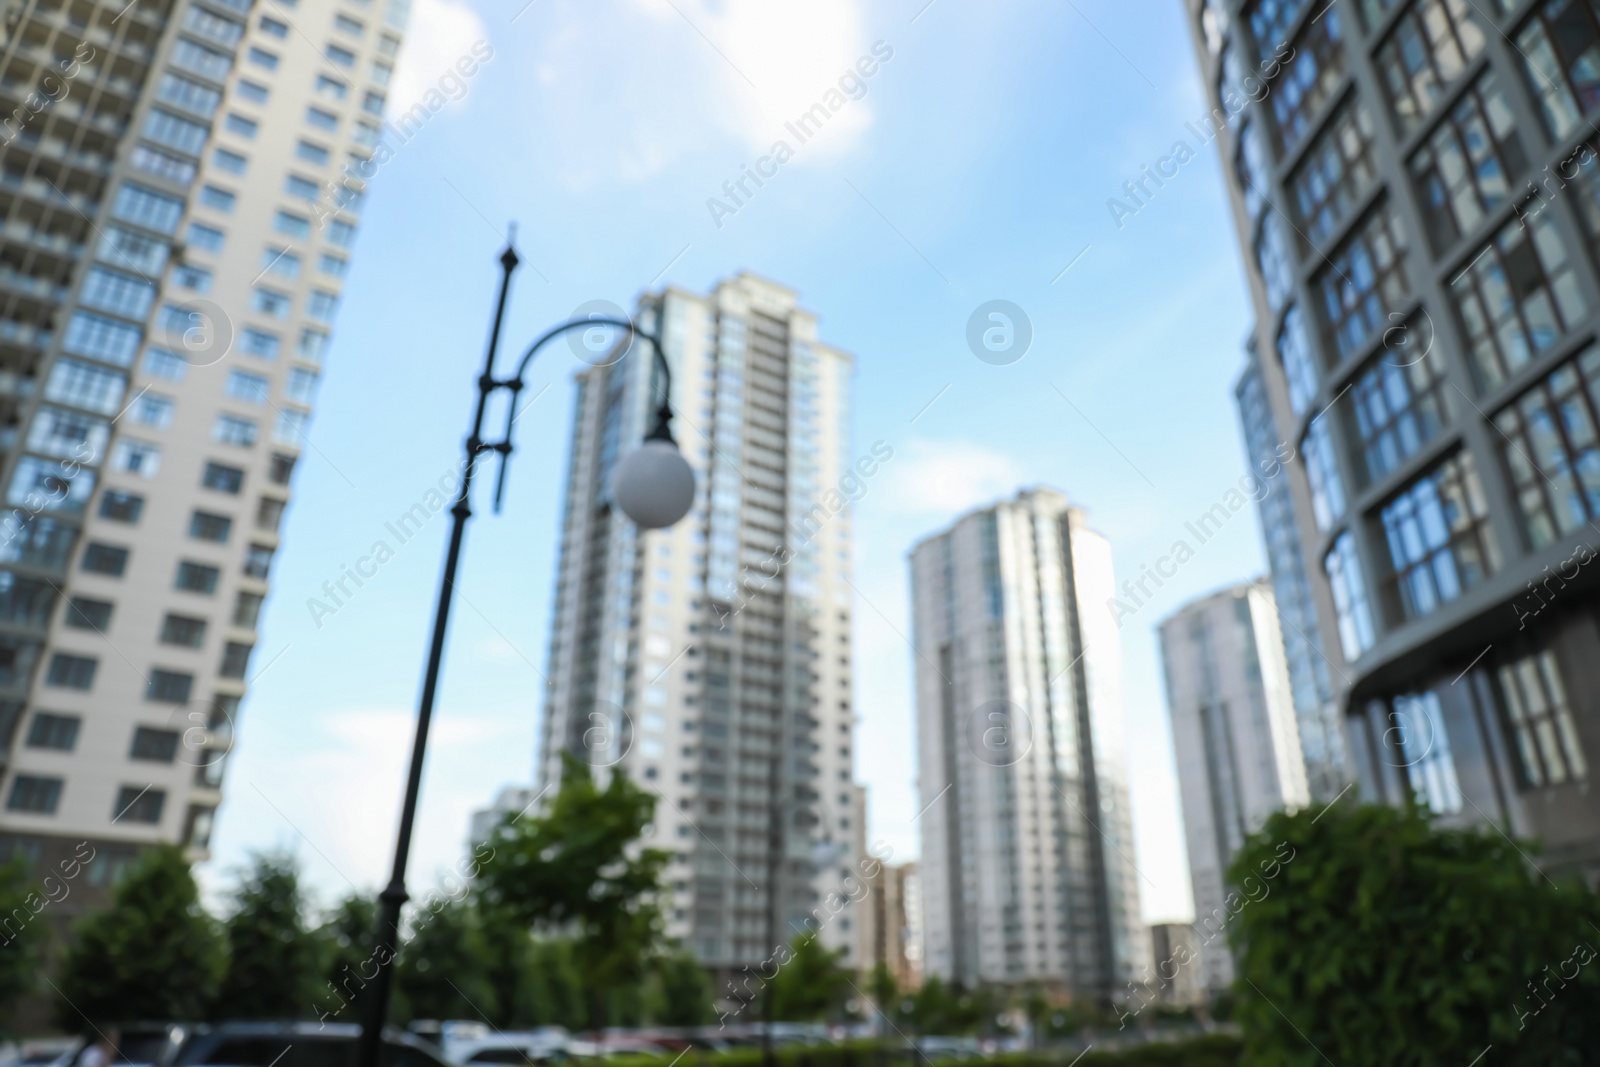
(376, 1006)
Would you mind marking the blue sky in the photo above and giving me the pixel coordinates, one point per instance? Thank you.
(976, 166)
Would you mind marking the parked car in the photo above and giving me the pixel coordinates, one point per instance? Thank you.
(297, 1045)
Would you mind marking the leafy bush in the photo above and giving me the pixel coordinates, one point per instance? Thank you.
(1384, 940)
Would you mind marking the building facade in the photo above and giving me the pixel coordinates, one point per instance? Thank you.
(1027, 841)
(1237, 743)
(710, 661)
(181, 183)
(889, 923)
(1170, 943)
(1417, 195)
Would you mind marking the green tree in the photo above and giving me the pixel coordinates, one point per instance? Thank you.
(153, 954)
(273, 958)
(22, 934)
(679, 991)
(346, 937)
(442, 968)
(1366, 935)
(885, 992)
(576, 870)
(810, 985)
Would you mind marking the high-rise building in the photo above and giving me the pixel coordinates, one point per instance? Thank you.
(888, 924)
(1415, 189)
(510, 800)
(711, 661)
(180, 183)
(1169, 944)
(1237, 745)
(1027, 844)
(1310, 682)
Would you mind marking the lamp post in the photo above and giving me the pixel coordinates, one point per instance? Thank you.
(653, 485)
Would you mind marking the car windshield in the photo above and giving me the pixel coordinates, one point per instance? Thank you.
(143, 1048)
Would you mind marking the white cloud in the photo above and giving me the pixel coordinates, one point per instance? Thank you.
(945, 478)
(439, 34)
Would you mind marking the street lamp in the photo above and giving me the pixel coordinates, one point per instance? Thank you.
(653, 486)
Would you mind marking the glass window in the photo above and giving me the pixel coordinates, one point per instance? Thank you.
(1560, 47)
(140, 804)
(175, 169)
(209, 526)
(294, 225)
(136, 457)
(247, 607)
(131, 249)
(291, 428)
(188, 94)
(1336, 174)
(232, 162)
(198, 59)
(1517, 297)
(1397, 407)
(311, 153)
(205, 238)
(342, 56)
(121, 294)
(280, 468)
(381, 73)
(321, 119)
(304, 188)
(120, 506)
(270, 302)
(1465, 168)
(345, 24)
(71, 672)
(169, 686)
(86, 386)
(257, 561)
(104, 559)
(322, 305)
(189, 276)
(301, 385)
(84, 613)
(147, 208)
(240, 125)
(1430, 767)
(259, 343)
(1548, 747)
(1272, 259)
(197, 577)
(223, 31)
(1365, 280)
(312, 344)
(157, 746)
(183, 630)
(233, 430)
(372, 103)
(102, 338)
(252, 93)
(159, 363)
(152, 409)
(273, 27)
(1551, 448)
(235, 660)
(251, 388)
(217, 199)
(49, 730)
(1440, 542)
(163, 127)
(332, 87)
(1270, 22)
(1343, 568)
(1322, 472)
(34, 794)
(1430, 46)
(262, 58)
(341, 233)
(1308, 80)
(222, 478)
(328, 263)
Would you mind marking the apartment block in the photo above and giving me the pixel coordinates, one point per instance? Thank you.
(1415, 193)
(1026, 872)
(181, 183)
(1238, 750)
(711, 661)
